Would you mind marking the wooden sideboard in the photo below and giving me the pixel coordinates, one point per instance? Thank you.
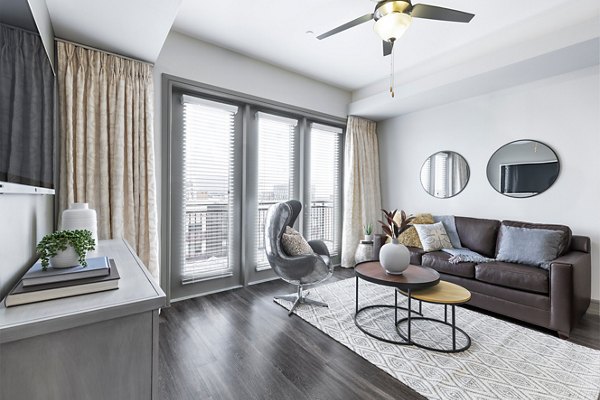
(94, 346)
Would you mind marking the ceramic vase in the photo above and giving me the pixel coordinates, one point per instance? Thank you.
(394, 257)
(65, 259)
(80, 216)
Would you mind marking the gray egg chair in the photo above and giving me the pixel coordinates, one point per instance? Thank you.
(303, 270)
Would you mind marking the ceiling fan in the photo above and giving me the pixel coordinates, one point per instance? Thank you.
(393, 17)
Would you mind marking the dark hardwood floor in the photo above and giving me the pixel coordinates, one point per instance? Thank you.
(241, 345)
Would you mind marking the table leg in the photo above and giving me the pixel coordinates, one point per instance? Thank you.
(356, 302)
(453, 329)
(409, 316)
(420, 307)
(446, 313)
(395, 307)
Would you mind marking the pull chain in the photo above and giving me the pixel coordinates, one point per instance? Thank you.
(392, 72)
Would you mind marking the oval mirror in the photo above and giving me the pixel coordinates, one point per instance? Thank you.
(444, 174)
(523, 168)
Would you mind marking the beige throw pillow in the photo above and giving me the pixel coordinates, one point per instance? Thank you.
(294, 244)
(410, 237)
(433, 236)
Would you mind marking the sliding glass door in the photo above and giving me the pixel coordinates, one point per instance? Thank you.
(227, 163)
(206, 191)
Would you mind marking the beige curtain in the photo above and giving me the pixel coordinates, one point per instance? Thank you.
(106, 144)
(362, 195)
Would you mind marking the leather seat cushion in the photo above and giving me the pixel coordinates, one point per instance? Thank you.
(478, 234)
(515, 276)
(438, 260)
(416, 255)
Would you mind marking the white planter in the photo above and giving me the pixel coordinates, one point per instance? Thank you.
(65, 259)
(394, 257)
(79, 216)
(368, 238)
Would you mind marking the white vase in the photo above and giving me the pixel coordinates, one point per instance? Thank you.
(65, 259)
(80, 216)
(394, 257)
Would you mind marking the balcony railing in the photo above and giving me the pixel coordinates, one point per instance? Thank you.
(207, 233)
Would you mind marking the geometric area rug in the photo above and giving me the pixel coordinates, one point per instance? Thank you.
(505, 360)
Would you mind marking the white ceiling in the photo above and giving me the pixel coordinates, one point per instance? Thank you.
(275, 31)
(135, 28)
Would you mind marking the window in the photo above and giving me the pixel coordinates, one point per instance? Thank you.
(228, 158)
(276, 171)
(208, 149)
(324, 219)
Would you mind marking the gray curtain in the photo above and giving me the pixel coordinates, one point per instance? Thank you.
(26, 106)
(107, 144)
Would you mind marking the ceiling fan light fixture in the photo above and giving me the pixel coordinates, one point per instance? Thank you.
(392, 26)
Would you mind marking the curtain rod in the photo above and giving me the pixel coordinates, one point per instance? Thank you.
(103, 51)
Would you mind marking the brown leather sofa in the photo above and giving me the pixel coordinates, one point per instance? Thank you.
(555, 298)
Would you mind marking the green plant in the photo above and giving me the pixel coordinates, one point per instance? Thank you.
(81, 240)
(393, 228)
(368, 229)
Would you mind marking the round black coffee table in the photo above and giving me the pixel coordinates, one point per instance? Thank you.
(413, 278)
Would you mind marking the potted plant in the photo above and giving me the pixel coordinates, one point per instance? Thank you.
(65, 248)
(394, 257)
(368, 229)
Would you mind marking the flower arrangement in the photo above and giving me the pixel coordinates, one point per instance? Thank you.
(53, 243)
(392, 228)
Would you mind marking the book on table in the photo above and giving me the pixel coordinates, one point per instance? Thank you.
(56, 290)
(96, 266)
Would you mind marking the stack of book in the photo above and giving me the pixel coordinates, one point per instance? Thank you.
(37, 284)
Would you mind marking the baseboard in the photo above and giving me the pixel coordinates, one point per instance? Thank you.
(594, 307)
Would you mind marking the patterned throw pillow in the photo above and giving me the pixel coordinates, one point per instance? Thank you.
(294, 244)
(410, 237)
(433, 236)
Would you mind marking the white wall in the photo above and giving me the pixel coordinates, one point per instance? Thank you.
(24, 220)
(562, 111)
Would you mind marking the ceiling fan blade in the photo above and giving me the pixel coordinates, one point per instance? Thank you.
(347, 25)
(387, 48)
(440, 13)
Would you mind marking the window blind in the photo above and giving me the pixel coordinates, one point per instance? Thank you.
(208, 153)
(324, 220)
(441, 175)
(276, 171)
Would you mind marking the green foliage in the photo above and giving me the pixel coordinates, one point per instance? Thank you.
(393, 229)
(368, 229)
(81, 240)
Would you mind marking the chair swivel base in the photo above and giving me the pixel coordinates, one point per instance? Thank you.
(300, 297)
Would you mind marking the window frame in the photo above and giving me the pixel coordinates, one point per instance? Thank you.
(247, 159)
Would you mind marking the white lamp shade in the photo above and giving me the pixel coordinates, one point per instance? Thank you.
(392, 26)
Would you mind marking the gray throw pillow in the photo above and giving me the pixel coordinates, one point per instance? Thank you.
(528, 246)
(450, 226)
(433, 236)
(294, 244)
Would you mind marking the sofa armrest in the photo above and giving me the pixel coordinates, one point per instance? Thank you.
(570, 290)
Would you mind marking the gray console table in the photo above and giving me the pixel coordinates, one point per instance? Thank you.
(95, 346)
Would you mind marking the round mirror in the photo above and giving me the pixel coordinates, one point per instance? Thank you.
(444, 174)
(523, 168)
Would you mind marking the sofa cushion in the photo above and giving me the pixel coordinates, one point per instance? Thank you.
(433, 237)
(410, 237)
(515, 276)
(565, 243)
(528, 246)
(438, 260)
(416, 255)
(478, 234)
